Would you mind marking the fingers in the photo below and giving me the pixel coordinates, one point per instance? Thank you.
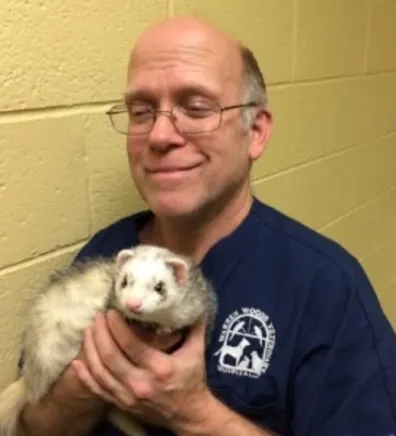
(121, 368)
(102, 377)
(140, 353)
(90, 383)
(107, 372)
(85, 376)
(113, 358)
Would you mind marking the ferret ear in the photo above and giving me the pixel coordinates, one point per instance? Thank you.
(180, 269)
(123, 256)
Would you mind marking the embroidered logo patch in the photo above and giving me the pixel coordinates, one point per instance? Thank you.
(248, 340)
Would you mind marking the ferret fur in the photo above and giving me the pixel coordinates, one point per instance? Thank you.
(73, 297)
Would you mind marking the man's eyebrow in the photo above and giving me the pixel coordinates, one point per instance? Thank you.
(131, 95)
(182, 91)
(185, 90)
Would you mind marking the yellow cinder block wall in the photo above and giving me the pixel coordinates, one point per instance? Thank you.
(331, 162)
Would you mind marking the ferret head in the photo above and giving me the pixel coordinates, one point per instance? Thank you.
(149, 284)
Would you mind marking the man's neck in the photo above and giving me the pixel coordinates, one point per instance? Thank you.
(195, 236)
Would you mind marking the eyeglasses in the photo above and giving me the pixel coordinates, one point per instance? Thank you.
(139, 118)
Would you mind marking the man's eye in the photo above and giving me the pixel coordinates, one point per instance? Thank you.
(140, 113)
(198, 111)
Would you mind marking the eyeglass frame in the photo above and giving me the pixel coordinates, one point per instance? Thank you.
(221, 109)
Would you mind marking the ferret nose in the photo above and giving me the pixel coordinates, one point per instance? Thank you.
(134, 305)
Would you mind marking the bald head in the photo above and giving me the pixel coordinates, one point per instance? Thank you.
(194, 33)
(186, 25)
(180, 28)
(189, 45)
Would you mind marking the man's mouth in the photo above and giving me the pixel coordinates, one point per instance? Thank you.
(172, 173)
(171, 169)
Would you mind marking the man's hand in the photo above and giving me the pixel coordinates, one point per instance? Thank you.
(69, 408)
(122, 368)
(70, 389)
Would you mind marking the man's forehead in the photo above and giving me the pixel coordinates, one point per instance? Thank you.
(184, 66)
(189, 51)
(192, 31)
(190, 44)
(181, 60)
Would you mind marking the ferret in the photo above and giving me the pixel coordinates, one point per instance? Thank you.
(147, 284)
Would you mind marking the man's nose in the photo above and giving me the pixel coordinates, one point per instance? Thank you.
(164, 133)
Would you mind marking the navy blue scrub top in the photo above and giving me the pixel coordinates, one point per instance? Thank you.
(301, 345)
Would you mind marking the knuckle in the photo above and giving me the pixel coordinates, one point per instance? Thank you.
(93, 388)
(163, 372)
(143, 391)
(98, 375)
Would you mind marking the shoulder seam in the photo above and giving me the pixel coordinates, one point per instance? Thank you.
(324, 255)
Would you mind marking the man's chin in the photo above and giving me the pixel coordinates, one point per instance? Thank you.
(173, 206)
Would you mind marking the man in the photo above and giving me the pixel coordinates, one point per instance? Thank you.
(301, 346)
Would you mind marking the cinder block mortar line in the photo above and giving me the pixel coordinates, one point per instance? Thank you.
(294, 40)
(16, 115)
(368, 36)
(41, 258)
(390, 285)
(392, 2)
(55, 111)
(319, 159)
(356, 209)
(325, 80)
(378, 248)
(88, 184)
(171, 8)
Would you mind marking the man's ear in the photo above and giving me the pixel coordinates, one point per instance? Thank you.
(260, 133)
(123, 256)
(180, 269)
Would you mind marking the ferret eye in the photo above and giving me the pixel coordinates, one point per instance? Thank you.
(124, 282)
(160, 288)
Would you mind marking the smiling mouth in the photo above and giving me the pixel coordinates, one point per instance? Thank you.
(172, 174)
(170, 170)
